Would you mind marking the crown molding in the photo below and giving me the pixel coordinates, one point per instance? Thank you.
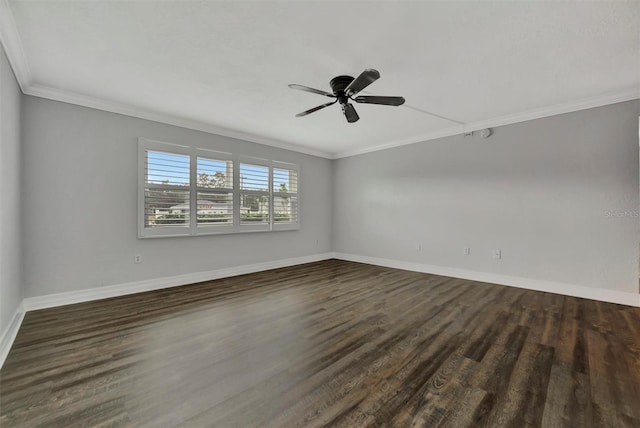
(42, 91)
(69, 97)
(582, 104)
(12, 45)
(569, 107)
(10, 40)
(447, 132)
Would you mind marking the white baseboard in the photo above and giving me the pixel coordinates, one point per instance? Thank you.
(620, 297)
(79, 296)
(10, 333)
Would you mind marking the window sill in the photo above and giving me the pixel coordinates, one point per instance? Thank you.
(238, 231)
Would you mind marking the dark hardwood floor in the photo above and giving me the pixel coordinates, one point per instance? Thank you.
(328, 343)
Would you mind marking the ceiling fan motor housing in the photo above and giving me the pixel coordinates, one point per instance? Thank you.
(338, 85)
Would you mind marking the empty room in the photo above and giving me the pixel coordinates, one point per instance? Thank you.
(319, 213)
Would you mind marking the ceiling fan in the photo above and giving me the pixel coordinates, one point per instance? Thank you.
(344, 89)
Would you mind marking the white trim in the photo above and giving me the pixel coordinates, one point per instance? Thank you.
(145, 145)
(141, 113)
(10, 333)
(291, 167)
(10, 40)
(68, 298)
(193, 228)
(70, 97)
(79, 296)
(569, 107)
(612, 296)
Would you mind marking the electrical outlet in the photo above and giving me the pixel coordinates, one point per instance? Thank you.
(467, 251)
(137, 259)
(497, 254)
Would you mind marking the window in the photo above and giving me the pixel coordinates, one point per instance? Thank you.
(254, 195)
(166, 191)
(285, 196)
(214, 184)
(190, 191)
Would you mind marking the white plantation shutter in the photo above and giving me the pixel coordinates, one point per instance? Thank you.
(189, 191)
(255, 204)
(166, 190)
(214, 183)
(285, 197)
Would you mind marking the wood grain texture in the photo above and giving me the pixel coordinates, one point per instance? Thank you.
(331, 343)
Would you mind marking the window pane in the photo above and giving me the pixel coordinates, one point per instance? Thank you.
(216, 174)
(285, 209)
(254, 209)
(166, 207)
(285, 180)
(254, 177)
(167, 168)
(215, 208)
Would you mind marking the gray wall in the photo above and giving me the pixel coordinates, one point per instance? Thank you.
(558, 196)
(80, 202)
(10, 170)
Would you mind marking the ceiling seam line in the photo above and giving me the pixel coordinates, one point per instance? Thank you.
(434, 115)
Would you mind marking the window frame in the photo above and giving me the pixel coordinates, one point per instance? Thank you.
(193, 229)
(158, 231)
(210, 229)
(290, 167)
(253, 161)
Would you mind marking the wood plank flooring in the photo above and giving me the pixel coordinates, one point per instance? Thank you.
(331, 343)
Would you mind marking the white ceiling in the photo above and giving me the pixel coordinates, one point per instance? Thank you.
(224, 66)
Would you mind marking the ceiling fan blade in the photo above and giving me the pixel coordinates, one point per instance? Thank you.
(304, 113)
(366, 78)
(350, 113)
(308, 89)
(373, 99)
